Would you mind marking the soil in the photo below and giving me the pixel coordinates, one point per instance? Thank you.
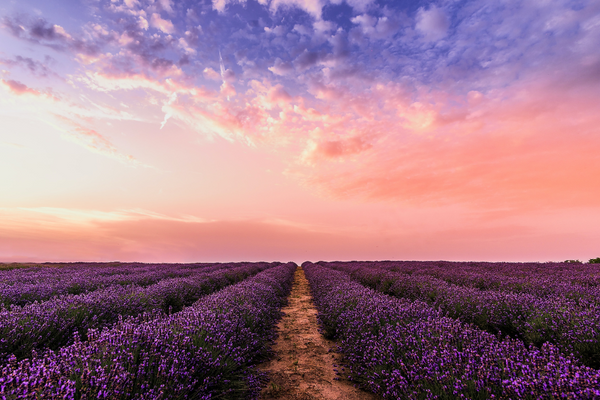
(303, 366)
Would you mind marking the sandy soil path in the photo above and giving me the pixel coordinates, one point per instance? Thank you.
(303, 366)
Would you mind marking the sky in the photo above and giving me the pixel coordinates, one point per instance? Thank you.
(294, 130)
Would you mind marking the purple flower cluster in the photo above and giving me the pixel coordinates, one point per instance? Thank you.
(574, 281)
(26, 285)
(403, 349)
(207, 350)
(571, 324)
(52, 324)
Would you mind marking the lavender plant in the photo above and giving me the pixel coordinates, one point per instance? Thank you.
(576, 281)
(24, 286)
(53, 323)
(570, 324)
(403, 349)
(206, 351)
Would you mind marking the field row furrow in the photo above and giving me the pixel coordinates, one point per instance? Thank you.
(208, 350)
(53, 323)
(405, 349)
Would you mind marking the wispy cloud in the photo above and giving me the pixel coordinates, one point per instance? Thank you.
(35, 67)
(46, 234)
(19, 88)
(91, 140)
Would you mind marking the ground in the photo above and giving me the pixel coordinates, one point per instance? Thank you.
(303, 366)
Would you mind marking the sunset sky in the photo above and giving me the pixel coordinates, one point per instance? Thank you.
(230, 130)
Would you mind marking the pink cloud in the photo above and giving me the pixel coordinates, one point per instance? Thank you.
(343, 147)
(522, 148)
(131, 3)
(359, 137)
(219, 5)
(383, 142)
(162, 24)
(164, 81)
(186, 47)
(211, 74)
(19, 88)
(143, 23)
(244, 117)
(277, 94)
(228, 90)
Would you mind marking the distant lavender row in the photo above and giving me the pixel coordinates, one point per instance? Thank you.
(206, 351)
(51, 324)
(23, 286)
(572, 326)
(575, 281)
(53, 272)
(405, 349)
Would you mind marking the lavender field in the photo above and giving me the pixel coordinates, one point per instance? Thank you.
(419, 330)
(403, 330)
(193, 331)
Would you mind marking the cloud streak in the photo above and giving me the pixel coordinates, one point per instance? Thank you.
(138, 235)
(19, 88)
(92, 140)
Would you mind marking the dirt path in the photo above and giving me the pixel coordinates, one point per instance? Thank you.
(303, 367)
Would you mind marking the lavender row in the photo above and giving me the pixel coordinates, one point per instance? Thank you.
(41, 273)
(566, 323)
(208, 350)
(403, 349)
(574, 281)
(23, 286)
(51, 324)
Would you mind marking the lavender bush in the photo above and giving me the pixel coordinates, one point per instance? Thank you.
(207, 350)
(404, 349)
(570, 324)
(24, 286)
(575, 281)
(52, 323)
